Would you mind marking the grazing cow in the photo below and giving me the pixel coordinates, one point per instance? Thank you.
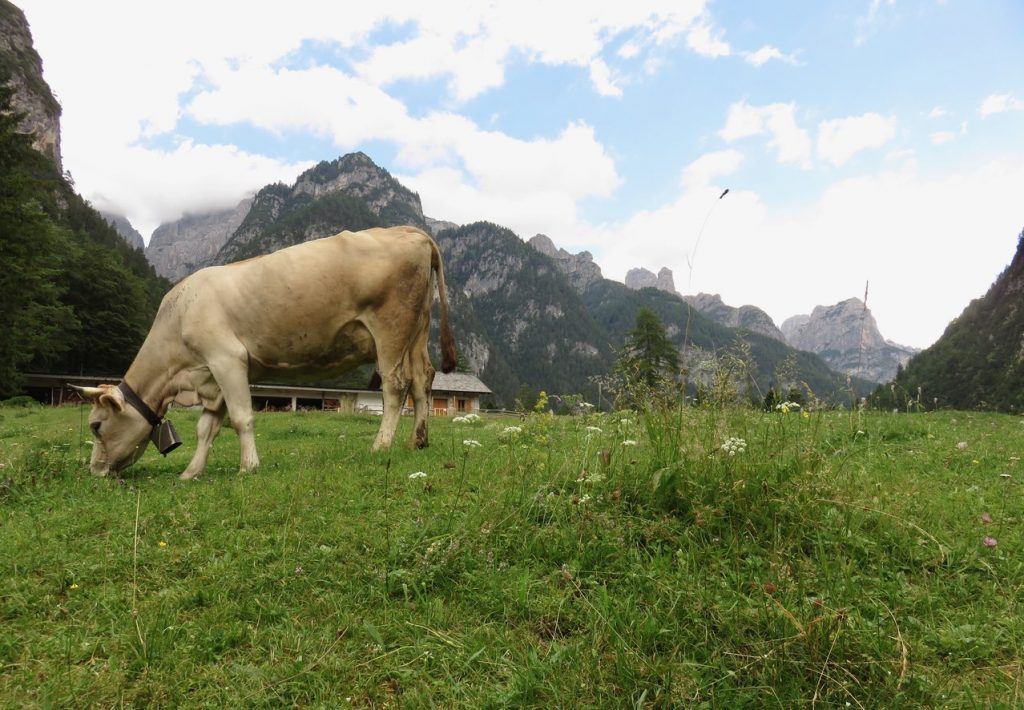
(312, 310)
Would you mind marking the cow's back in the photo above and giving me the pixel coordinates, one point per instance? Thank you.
(309, 301)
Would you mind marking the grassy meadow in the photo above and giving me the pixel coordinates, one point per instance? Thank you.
(695, 558)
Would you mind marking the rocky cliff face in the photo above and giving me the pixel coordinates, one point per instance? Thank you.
(125, 229)
(846, 336)
(356, 175)
(749, 317)
(32, 95)
(579, 268)
(436, 225)
(178, 248)
(519, 314)
(643, 278)
(348, 193)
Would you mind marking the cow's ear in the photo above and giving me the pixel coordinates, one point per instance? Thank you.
(112, 398)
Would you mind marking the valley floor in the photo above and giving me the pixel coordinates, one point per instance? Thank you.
(724, 558)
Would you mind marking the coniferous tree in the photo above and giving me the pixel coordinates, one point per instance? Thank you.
(32, 316)
(649, 357)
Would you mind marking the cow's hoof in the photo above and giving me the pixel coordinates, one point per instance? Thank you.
(188, 475)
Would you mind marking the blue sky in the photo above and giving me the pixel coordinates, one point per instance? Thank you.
(875, 141)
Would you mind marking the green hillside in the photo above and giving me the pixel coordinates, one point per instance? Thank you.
(978, 363)
(74, 296)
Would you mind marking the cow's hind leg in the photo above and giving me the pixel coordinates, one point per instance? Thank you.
(394, 387)
(206, 431)
(422, 378)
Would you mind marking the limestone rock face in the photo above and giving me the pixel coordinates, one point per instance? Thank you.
(644, 278)
(846, 337)
(436, 225)
(351, 192)
(125, 229)
(356, 175)
(178, 248)
(579, 268)
(749, 317)
(32, 95)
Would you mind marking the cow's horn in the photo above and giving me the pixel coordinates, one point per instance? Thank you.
(87, 392)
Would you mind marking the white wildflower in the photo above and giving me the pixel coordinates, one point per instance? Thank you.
(734, 445)
(629, 442)
(961, 445)
(460, 420)
(594, 429)
(511, 431)
(583, 499)
(418, 474)
(471, 443)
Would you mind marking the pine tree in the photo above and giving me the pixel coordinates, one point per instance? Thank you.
(649, 357)
(32, 316)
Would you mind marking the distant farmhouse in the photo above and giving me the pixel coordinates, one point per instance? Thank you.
(453, 393)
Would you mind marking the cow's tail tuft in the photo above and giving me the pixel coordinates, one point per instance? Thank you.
(449, 355)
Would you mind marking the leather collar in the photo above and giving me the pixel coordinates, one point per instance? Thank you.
(136, 401)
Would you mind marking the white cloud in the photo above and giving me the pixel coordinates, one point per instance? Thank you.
(767, 53)
(706, 41)
(709, 166)
(861, 229)
(840, 139)
(601, 77)
(999, 103)
(323, 100)
(940, 137)
(227, 175)
(938, 112)
(790, 142)
(472, 43)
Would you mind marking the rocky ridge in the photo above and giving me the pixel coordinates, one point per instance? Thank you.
(846, 336)
(579, 268)
(643, 278)
(436, 225)
(351, 190)
(749, 317)
(32, 95)
(125, 229)
(178, 248)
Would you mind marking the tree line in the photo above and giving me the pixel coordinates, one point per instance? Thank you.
(74, 296)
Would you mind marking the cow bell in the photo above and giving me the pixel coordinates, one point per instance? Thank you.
(164, 437)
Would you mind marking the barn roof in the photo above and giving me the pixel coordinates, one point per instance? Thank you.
(459, 382)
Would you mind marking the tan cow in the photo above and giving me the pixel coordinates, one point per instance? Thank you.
(312, 310)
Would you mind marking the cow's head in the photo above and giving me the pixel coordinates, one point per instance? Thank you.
(121, 432)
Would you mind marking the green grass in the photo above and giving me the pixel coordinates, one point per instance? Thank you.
(839, 560)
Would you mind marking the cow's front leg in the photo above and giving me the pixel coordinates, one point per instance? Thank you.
(206, 431)
(233, 378)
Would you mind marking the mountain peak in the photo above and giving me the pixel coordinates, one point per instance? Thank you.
(643, 278)
(846, 336)
(750, 318)
(579, 268)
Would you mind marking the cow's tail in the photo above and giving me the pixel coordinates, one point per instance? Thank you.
(449, 355)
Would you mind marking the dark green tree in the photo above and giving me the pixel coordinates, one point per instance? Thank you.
(648, 356)
(33, 320)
